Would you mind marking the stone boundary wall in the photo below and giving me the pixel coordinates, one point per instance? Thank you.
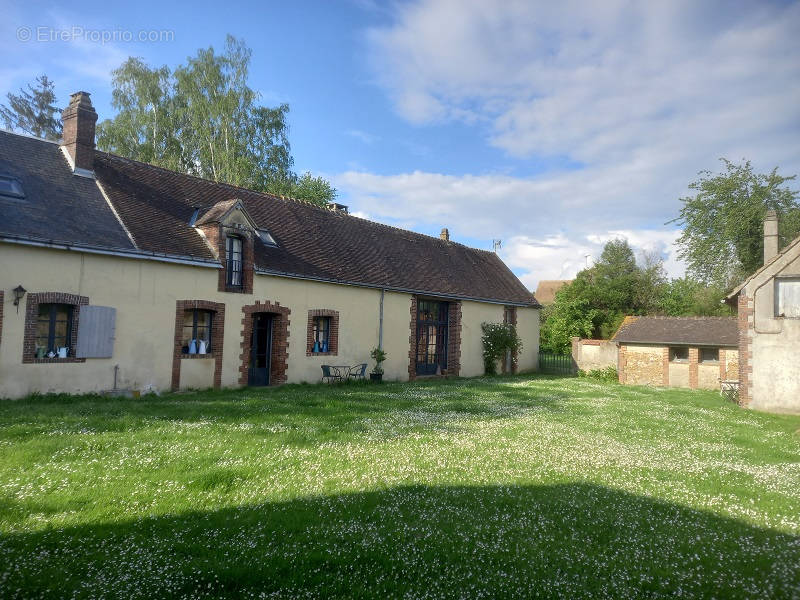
(594, 354)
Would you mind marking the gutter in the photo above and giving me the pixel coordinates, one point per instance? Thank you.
(121, 252)
(396, 289)
(214, 264)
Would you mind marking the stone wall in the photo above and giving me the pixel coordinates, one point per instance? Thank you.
(594, 354)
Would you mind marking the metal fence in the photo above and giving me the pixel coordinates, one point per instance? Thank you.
(556, 364)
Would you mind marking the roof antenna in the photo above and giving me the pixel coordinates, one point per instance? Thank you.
(497, 244)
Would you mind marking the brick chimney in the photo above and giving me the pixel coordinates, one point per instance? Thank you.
(445, 235)
(770, 236)
(79, 120)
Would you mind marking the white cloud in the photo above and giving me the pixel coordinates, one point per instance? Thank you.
(641, 95)
(363, 136)
(548, 224)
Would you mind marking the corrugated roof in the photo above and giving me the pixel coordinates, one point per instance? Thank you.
(700, 331)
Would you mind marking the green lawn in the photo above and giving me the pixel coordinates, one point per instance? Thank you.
(507, 487)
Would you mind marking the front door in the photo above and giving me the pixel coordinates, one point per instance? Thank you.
(260, 350)
(431, 337)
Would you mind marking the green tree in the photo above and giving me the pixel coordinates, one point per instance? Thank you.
(685, 297)
(35, 111)
(204, 119)
(147, 125)
(722, 240)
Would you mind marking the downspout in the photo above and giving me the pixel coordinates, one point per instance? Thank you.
(380, 322)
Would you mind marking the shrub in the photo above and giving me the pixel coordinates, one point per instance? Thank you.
(498, 338)
(607, 374)
(378, 355)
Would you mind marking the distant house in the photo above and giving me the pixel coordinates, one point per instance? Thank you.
(547, 288)
(769, 327)
(691, 352)
(119, 274)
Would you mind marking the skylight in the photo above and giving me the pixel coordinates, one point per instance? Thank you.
(266, 237)
(11, 187)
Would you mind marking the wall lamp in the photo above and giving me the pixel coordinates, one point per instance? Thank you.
(19, 292)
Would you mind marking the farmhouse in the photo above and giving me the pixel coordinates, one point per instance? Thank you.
(115, 274)
(693, 352)
(769, 327)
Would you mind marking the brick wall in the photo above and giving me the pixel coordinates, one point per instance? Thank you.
(333, 334)
(622, 362)
(510, 318)
(665, 367)
(32, 316)
(412, 342)
(217, 337)
(216, 236)
(693, 358)
(454, 338)
(745, 326)
(279, 358)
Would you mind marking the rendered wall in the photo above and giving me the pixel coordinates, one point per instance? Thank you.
(528, 330)
(774, 343)
(145, 294)
(594, 354)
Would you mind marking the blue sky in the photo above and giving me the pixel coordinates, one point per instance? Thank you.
(552, 126)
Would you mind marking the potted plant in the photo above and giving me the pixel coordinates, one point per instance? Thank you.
(378, 356)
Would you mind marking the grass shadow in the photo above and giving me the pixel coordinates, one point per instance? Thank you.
(571, 541)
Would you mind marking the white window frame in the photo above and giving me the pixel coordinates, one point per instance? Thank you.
(783, 285)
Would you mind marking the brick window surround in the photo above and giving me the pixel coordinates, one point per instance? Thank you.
(510, 318)
(333, 332)
(31, 323)
(217, 237)
(746, 326)
(453, 340)
(217, 337)
(279, 353)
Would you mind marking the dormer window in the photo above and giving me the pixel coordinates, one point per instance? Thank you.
(233, 257)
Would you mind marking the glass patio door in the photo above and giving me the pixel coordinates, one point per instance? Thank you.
(431, 337)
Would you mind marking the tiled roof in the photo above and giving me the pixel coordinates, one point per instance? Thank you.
(700, 331)
(58, 206)
(547, 288)
(156, 206)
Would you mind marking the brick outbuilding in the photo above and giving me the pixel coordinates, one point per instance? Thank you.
(693, 352)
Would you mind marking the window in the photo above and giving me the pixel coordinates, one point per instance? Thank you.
(54, 331)
(11, 187)
(321, 334)
(708, 355)
(432, 334)
(196, 337)
(787, 297)
(680, 354)
(234, 261)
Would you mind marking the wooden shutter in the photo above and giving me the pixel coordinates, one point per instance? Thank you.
(96, 328)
